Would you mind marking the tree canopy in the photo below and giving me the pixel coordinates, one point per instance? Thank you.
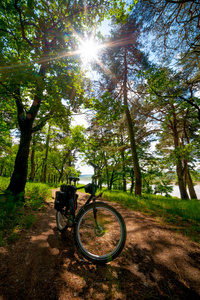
(146, 89)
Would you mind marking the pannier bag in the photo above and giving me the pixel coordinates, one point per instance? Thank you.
(88, 188)
(59, 202)
(67, 198)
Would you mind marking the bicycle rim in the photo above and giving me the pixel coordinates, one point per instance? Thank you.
(61, 220)
(102, 240)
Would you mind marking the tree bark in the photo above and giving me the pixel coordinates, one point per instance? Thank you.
(111, 181)
(106, 165)
(179, 167)
(32, 173)
(19, 176)
(44, 168)
(138, 177)
(190, 184)
(132, 181)
(25, 121)
(180, 174)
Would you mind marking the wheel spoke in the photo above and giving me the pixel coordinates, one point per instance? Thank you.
(62, 220)
(102, 239)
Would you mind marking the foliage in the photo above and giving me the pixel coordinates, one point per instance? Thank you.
(40, 68)
(42, 82)
(14, 215)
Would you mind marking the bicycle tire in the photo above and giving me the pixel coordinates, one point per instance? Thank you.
(61, 221)
(100, 244)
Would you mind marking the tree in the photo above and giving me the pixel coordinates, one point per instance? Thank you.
(174, 24)
(62, 153)
(121, 61)
(176, 119)
(172, 29)
(39, 66)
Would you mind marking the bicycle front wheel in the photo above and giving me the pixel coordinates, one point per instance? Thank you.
(100, 239)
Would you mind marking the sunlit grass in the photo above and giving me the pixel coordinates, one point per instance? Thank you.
(181, 214)
(18, 215)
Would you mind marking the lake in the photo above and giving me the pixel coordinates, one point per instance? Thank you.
(176, 191)
(84, 179)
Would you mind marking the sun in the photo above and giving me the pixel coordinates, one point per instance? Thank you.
(88, 51)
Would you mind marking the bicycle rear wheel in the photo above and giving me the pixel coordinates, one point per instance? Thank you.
(103, 239)
(62, 220)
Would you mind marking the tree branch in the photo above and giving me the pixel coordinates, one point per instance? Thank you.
(193, 104)
(22, 25)
(43, 122)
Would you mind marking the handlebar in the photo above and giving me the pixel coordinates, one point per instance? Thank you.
(74, 178)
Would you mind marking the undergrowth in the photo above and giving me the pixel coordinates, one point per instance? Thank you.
(17, 215)
(184, 215)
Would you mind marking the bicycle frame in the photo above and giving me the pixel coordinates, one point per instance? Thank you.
(93, 221)
(91, 197)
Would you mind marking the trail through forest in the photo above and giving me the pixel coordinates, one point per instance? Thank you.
(156, 263)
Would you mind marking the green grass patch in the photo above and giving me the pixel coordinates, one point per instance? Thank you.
(184, 215)
(18, 215)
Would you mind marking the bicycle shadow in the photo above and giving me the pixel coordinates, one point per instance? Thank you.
(45, 264)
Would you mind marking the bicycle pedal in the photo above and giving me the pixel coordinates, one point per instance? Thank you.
(70, 221)
(70, 224)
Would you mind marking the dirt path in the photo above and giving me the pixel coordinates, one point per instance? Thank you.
(155, 264)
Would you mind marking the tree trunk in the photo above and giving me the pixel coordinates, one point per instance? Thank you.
(44, 169)
(190, 184)
(32, 173)
(138, 177)
(25, 121)
(181, 183)
(106, 165)
(2, 168)
(111, 181)
(132, 181)
(123, 167)
(123, 172)
(179, 167)
(19, 176)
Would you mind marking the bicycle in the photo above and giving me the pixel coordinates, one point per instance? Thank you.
(99, 229)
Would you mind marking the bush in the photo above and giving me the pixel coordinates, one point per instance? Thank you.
(16, 215)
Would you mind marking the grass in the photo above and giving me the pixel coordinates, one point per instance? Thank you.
(16, 216)
(183, 215)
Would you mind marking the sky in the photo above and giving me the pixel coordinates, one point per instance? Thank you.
(80, 119)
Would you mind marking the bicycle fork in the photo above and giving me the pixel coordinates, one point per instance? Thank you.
(95, 214)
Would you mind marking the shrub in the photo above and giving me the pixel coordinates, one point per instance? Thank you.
(16, 215)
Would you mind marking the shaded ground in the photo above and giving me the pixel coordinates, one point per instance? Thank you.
(156, 263)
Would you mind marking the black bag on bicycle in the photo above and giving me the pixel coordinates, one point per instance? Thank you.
(88, 188)
(66, 198)
(60, 200)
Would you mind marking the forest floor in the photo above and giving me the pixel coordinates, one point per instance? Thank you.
(156, 263)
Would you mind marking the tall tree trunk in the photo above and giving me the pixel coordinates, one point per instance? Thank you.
(190, 184)
(32, 173)
(138, 177)
(106, 165)
(25, 121)
(181, 183)
(132, 180)
(111, 180)
(179, 167)
(44, 169)
(123, 167)
(19, 175)
(2, 168)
